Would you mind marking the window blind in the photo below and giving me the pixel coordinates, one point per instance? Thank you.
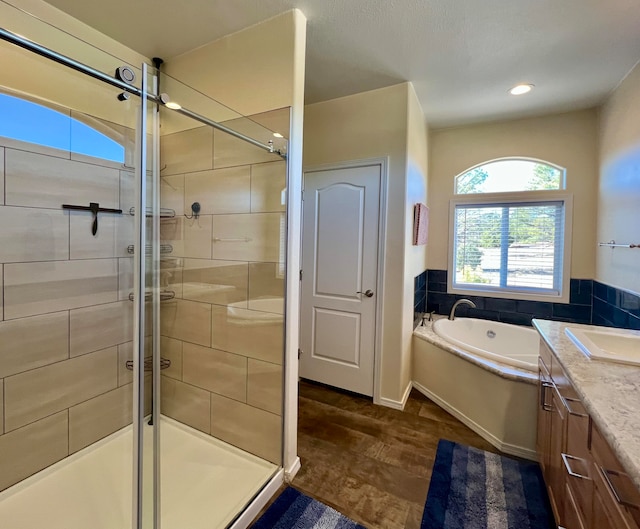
(512, 246)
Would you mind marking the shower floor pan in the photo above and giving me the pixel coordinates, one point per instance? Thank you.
(205, 483)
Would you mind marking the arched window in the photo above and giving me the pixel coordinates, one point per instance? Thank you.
(31, 122)
(510, 231)
(510, 175)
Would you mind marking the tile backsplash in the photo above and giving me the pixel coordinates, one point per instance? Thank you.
(591, 302)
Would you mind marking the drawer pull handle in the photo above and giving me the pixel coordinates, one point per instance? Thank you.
(567, 465)
(605, 473)
(567, 404)
(543, 396)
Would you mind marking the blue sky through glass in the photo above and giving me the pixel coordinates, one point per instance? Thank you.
(24, 120)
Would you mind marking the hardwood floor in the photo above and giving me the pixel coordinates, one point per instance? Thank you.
(369, 462)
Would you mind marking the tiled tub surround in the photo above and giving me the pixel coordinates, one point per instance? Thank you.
(613, 307)
(591, 302)
(224, 331)
(64, 330)
(609, 391)
(519, 312)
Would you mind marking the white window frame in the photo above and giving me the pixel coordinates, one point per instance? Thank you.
(506, 199)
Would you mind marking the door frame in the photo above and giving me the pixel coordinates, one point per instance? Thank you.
(383, 162)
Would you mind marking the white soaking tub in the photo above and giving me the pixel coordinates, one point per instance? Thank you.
(485, 374)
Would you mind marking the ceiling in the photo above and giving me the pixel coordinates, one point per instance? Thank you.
(461, 55)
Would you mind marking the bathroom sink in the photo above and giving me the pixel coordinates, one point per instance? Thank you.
(607, 345)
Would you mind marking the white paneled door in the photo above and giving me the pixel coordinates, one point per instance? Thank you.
(340, 275)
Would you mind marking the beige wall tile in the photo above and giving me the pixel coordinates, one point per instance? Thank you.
(219, 191)
(189, 237)
(197, 237)
(172, 193)
(32, 448)
(229, 151)
(35, 394)
(94, 419)
(219, 282)
(266, 283)
(125, 277)
(1, 406)
(171, 274)
(33, 234)
(172, 350)
(263, 230)
(127, 191)
(1, 290)
(1, 175)
(47, 182)
(264, 386)
(115, 233)
(12, 144)
(268, 181)
(186, 404)
(125, 353)
(217, 371)
(28, 343)
(99, 327)
(187, 151)
(37, 288)
(256, 431)
(186, 320)
(250, 333)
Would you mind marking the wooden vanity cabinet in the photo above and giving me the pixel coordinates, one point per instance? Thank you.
(587, 486)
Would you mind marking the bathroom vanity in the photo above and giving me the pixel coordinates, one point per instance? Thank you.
(588, 438)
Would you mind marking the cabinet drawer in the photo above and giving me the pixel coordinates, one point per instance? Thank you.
(616, 489)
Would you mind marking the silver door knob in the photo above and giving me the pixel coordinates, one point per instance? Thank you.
(368, 293)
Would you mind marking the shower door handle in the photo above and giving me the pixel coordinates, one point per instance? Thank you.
(368, 293)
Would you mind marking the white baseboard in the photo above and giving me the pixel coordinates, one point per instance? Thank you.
(291, 472)
(259, 502)
(507, 448)
(397, 404)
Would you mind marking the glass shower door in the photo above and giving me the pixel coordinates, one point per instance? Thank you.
(67, 243)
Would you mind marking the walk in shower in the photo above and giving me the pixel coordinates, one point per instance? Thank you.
(142, 270)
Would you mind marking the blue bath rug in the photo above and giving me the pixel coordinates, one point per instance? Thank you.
(292, 509)
(474, 489)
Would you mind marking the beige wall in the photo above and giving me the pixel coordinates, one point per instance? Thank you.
(416, 191)
(569, 140)
(619, 185)
(28, 73)
(251, 71)
(375, 124)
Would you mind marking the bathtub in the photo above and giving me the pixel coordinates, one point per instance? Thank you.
(485, 374)
(505, 344)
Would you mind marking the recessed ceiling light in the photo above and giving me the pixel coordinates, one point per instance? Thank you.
(520, 89)
(277, 135)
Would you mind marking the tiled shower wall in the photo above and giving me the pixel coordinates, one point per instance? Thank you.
(65, 324)
(224, 330)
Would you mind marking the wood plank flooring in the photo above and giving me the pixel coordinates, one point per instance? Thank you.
(369, 462)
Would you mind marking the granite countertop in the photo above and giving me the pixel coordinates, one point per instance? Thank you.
(609, 391)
